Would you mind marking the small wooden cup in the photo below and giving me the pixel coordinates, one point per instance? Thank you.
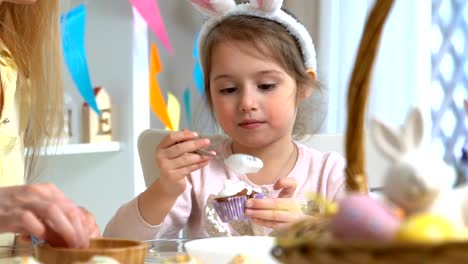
(124, 251)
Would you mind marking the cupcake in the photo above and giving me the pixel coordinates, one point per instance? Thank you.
(230, 201)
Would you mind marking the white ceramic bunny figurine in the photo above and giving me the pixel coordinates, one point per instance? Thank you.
(417, 180)
(466, 106)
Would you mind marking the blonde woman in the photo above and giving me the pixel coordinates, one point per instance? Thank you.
(31, 112)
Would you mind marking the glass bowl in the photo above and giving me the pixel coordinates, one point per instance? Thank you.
(163, 249)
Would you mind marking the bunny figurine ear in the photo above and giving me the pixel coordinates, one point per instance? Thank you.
(466, 106)
(386, 139)
(393, 143)
(213, 7)
(413, 131)
(267, 6)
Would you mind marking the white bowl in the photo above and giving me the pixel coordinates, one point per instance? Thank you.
(221, 250)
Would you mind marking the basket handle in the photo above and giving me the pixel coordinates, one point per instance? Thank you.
(356, 178)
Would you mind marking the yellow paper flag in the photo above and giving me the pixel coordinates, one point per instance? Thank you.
(173, 108)
(156, 98)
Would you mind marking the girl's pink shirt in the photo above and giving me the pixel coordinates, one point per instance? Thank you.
(315, 172)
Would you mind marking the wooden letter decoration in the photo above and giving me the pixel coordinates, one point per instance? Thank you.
(98, 128)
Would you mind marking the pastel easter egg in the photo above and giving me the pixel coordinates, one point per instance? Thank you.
(360, 217)
(427, 228)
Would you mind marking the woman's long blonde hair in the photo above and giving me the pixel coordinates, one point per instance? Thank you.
(32, 34)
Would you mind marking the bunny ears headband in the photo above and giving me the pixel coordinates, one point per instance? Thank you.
(218, 10)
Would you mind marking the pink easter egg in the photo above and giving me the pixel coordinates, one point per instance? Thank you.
(360, 217)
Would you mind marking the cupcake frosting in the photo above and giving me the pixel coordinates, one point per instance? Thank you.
(234, 187)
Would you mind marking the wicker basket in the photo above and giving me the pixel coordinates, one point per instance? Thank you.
(310, 241)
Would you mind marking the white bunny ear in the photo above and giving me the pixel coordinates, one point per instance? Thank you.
(413, 130)
(268, 6)
(466, 106)
(387, 140)
(214, 7)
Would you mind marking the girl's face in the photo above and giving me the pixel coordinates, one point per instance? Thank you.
(254, 99)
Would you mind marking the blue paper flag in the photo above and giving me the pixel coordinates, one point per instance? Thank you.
(73, 42)
(195, 53)
(197, 70)
(187, 107)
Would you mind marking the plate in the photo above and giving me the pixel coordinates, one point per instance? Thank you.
(221, 250)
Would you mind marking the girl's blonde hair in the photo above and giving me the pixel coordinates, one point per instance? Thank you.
(32, 34)
(274, 42)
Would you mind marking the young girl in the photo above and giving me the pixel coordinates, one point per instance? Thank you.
(259, 66)
(31, 114)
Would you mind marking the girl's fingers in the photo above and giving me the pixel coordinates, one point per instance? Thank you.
(175, 137)
(185, 147)
(181, 173)
(273, 215)
(191, 168)
(271, 224)
(188, 159)
(281, 204)
(287, 186)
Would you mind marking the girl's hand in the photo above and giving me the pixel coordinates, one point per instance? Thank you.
(43, 211)
(276, 213)
(176, 160)
(287, 186)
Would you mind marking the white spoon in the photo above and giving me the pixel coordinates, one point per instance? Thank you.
(240, 163)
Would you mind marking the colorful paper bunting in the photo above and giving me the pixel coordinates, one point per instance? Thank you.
(197, 70)
(187, 107)
(73, 42)
(149, 10)
(156, 98)
(173, 108)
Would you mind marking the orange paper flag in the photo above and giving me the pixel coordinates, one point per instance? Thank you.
(156, 98)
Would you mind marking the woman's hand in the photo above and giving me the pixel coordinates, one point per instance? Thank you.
(176, 160)
(43, 211)
(276, 213)
(91, 225)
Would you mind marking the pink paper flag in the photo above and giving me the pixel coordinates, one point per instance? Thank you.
(149, 10)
